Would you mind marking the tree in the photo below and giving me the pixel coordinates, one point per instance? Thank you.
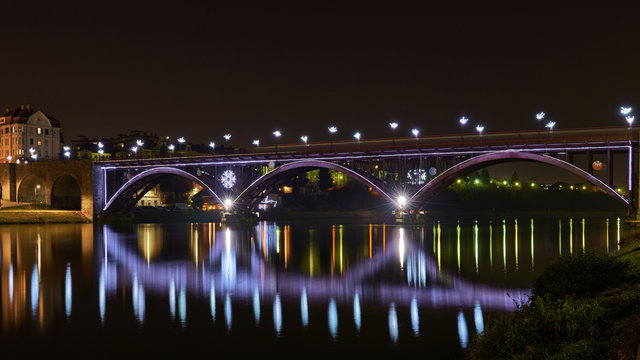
(515, 178)
(324, 179)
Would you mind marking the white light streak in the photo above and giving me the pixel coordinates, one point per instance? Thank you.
(540, 115)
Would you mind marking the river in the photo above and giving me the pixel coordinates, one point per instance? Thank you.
(179, 289)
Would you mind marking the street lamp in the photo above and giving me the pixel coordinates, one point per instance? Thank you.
(277, 135)
(181, 140)
(625, 110)
(256, 142)
(227, 137)
(463, 121)
(171, 147)
(550, 125)
(139, 143)
(67, 151)
(357, 135)
(630, 119)
(332, 131)
(35, 193)
(480, 129)
(304, 139)
(9, 158)
(212, 145)
(415, 132)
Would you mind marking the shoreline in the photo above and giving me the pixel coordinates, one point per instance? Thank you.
(42, 217)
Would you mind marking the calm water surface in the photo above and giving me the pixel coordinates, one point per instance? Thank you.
(186, 289)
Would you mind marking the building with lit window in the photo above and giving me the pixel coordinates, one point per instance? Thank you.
(26, 134)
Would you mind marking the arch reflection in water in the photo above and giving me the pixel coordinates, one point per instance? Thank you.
(102, 296)
(393, 323)
(182, 306)
(333, 319)
(172, 298)
(463, 333)
(67, 291)
(277, 314)
(212, 300)
(10, 284)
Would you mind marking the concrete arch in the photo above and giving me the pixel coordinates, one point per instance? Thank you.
(66, 193)
(32, 188)
(447, 177)
(138, 182)
(252, 191)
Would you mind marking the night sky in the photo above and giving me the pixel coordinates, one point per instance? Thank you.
(201, 71)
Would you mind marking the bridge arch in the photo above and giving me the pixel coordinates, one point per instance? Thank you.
(124, 197)
(466, 167)
(66, 193)
(32, 189)
(255, 191)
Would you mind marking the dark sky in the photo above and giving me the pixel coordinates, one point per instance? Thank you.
(200, 71)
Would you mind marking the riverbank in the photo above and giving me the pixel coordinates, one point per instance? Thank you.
(41, 216)
(583, 306)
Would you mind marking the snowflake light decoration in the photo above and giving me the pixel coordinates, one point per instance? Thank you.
(228, 179)
(417, 176)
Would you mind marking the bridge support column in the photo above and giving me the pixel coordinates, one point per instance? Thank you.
(633, 215)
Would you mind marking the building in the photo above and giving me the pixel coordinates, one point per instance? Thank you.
(26, 134)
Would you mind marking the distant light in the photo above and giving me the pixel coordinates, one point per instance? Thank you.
(402, 200)
(479, 128)
(34, 156)
(212, 144)
(357, 136)
(517, 183)
(540, 115)
(100, 145)
(476, 181)
(550, 125)
(65, 148)
(227, 137)
(32, 150)
(277, 133)
(459, 181)
(171, 147)
(9, 158)
(181, 140)
(415, 132)
(228, 203)
(625, 110)
(304, 138)
(333, 129)
(100, 151)
(393, 125)
(463, 120)
(139, 142)
(504, 182)
(256, 142)
(134, 149)
(630, 119)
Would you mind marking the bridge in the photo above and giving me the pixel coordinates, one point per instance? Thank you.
(407, 172)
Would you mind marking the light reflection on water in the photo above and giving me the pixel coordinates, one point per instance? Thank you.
(429, 279)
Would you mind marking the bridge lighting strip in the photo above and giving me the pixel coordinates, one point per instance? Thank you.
(359, 157)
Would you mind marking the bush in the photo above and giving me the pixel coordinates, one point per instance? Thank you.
(582, 275)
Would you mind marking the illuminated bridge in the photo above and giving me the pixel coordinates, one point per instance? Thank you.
(408, 172)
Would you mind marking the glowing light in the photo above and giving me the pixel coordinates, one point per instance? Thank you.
(139, 142)
(9, 158)
(134, 149)
(417, 176)
(212, 297)
(67, 154)
(479, 128)
(172, 298)
(102, 298)
(277, 314)
(304, 308)
(182, 306)
(227, 137)
(415, 319)
(357, 136)
(333, 319)
(393, 125)
(304, 138)
(415, 132)
(67, 291)
(35, 289)
(277, 133)
(181, 140)
(65, 148)
(357, 314)
(228, 179)
(100, 151)
(256, 142)
(256, 305)
(393, 323)
(212, 144)
(476, 181)
(550, 125)
(477, 317)
(630, 119)
(462, 330)
(171, 147)
(32, 150)
(540, 115)
(402, 200)
(625, 110)
(228, 311)
(333, 129)
(100, 145)
(228, 203)
(463, 120)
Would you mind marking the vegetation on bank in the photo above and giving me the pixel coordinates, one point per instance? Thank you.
(583, 306)
(41, 216)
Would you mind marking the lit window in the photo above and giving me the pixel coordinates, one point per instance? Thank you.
(39, 130)
(39, 142)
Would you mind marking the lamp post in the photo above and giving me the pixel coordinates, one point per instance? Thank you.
(393, 125)
(304, 139)
(462, 121)
(212, 145)
(540, 116)
(332, 131)
(277, 135)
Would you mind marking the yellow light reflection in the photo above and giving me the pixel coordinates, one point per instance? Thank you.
(491, 245)
(475, 242)
(439, 248)
(516, 242)
(607, 235)
(384, 239)
(333, 248)
(341, 257)
(287, 244)
(582, 234)
(370, 240)
(618, 232)
(571, 236)
(560, 237)
(401, 248)
(458, 244)
(504, 244)
(532, 250)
